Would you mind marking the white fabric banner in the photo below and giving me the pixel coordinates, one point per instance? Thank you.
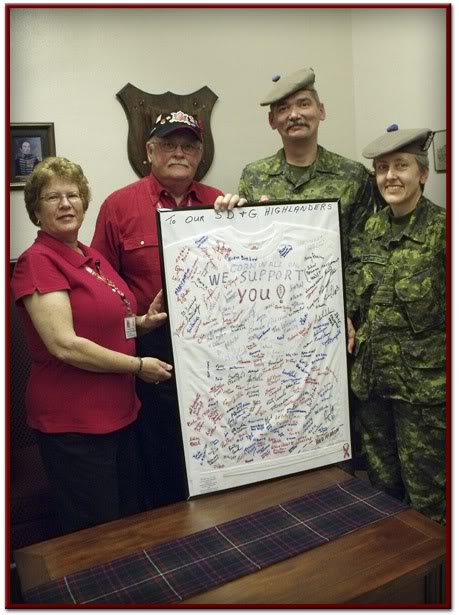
(256, 310)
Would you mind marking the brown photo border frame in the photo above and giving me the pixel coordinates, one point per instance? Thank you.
(42, 130)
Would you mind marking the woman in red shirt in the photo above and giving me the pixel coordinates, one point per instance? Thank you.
(81, 323)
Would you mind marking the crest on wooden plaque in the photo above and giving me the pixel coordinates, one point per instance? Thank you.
(142, 109)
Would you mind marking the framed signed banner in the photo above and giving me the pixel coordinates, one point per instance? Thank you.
(255, 299)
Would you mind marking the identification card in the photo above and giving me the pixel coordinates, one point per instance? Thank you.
(129, 327)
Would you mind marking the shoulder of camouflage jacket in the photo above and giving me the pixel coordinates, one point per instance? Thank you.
(341, 166)
(433, 216)
(326, 160)
(264, 164)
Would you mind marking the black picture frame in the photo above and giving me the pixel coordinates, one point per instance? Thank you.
(439, 149)
(41, 144)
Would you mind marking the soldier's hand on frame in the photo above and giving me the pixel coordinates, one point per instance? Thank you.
(264, 198)
(350, 336)
(154, 371)
(229, 201)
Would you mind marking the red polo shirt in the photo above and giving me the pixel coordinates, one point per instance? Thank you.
(60, 397)
(127, 236)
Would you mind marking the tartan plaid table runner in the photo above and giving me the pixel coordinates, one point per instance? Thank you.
(176, 570)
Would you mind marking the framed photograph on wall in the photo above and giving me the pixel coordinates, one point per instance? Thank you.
(439, 147)
(29, 144)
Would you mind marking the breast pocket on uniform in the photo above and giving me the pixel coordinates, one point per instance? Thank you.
(416, 292)
(142, 252)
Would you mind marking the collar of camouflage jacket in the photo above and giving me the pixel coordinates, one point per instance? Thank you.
(322, 164)
(415, 230)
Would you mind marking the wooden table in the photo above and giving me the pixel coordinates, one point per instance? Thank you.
(397, 560)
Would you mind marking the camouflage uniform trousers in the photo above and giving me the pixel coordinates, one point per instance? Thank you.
(404, 446)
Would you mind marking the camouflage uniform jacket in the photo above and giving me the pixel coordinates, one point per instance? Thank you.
(397, 303)
(329, 177)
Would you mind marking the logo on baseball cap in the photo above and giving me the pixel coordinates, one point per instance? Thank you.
(175, 120)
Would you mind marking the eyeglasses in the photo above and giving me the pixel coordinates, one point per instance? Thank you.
(171, 146)
(55, 198)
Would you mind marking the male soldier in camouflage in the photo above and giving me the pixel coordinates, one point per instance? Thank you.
(302, 169)
(397, 303)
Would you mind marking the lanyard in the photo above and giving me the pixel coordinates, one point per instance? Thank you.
(100, 276)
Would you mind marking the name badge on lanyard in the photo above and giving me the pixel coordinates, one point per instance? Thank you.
(129, 327)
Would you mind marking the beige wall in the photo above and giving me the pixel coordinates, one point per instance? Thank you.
(403, 82)
(67, 65)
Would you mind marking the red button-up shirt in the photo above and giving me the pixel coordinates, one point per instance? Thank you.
(127, 236)
(61, 397)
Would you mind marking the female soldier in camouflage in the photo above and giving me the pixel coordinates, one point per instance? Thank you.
(396, 300)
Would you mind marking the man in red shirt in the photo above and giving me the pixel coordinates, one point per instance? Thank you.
(126, 234)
